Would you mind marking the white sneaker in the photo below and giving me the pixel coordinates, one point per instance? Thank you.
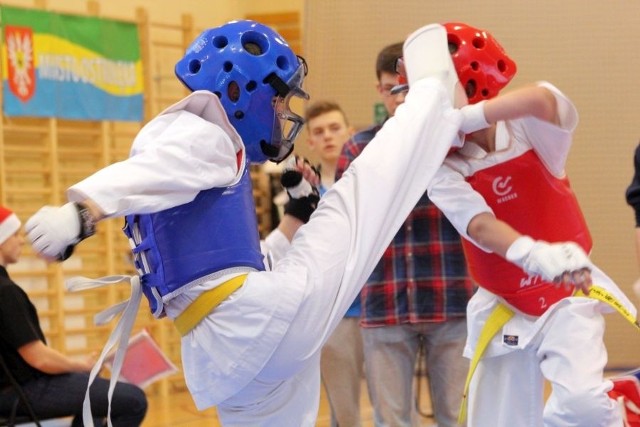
(426, 54)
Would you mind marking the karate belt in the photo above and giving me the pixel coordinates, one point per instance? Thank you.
(205, 303)
(502, 314)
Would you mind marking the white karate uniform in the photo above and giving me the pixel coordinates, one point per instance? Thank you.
(256, 356)
(564, 345)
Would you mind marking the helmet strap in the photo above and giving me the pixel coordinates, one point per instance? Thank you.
(269, 150)
(278, 84)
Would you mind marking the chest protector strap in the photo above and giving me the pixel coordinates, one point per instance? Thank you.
(194, 242)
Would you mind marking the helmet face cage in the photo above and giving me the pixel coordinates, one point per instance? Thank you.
(482, 65)
(250, 68)
(401, 71)
(287, 124)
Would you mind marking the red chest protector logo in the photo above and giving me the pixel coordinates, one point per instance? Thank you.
(525, 195)
(20, 61)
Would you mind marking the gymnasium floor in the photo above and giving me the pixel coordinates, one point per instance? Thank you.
(178, 410)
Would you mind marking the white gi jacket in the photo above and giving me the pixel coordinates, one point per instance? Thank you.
(256, 355)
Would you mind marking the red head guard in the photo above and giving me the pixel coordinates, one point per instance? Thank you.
(482, 65)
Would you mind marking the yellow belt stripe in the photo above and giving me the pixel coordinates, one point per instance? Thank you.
(205, 303)
(501, 315)
(496, 320)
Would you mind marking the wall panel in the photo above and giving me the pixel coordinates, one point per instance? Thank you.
(587, 49)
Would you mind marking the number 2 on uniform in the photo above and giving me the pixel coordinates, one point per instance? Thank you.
(543, 302)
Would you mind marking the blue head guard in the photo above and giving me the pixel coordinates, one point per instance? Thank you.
(253, 71)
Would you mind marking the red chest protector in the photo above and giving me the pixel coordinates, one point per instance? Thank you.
(526, 196)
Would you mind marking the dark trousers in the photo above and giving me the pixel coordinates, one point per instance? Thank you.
(56, 396)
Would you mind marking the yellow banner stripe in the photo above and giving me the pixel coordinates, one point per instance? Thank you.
(58, 59)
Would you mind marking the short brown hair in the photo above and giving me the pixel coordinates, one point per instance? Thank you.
(386, 61)
(321, 107)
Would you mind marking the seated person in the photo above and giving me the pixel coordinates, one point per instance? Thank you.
(53, 383)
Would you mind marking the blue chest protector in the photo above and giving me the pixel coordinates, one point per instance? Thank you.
(189, 244)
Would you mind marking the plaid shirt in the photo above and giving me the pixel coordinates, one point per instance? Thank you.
(422, 276)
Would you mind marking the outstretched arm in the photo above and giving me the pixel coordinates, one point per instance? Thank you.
(174, 157)
(536, 101)
(530, 101)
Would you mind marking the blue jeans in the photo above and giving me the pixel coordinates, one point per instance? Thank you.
(55, 396)
(390, 354)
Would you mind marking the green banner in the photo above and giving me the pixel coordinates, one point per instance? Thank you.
(70, 66)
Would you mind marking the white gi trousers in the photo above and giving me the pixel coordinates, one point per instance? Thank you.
(507, 390)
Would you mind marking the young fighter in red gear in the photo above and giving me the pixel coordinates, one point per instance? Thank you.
(526, 243)
(190, 216)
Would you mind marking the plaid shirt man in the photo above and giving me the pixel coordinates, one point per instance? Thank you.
(422, 276)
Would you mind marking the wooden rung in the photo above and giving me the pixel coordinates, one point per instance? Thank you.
(10, 127)
(31, 273)
(45, 314)
(275, 18)
(79, 149)
(124, 133)
(290, 34)
(23, 190)
(42, 294)
(166, 25)
(167, 99)
(17, 170)
(79, 131)
(159, 43)
(86, 169)
(25, 149)
(83, 311)
(92, 331)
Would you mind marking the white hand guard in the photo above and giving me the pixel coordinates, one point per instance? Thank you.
(54, 231)
(547, 260)
(473, 118)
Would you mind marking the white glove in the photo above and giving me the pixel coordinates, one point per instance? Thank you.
(54, 231)
(550, 261)
(473, 118)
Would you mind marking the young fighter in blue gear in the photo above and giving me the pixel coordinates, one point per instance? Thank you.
(252, 338)
(526, 244)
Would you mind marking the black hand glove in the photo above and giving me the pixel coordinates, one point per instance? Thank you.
(303, 197)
